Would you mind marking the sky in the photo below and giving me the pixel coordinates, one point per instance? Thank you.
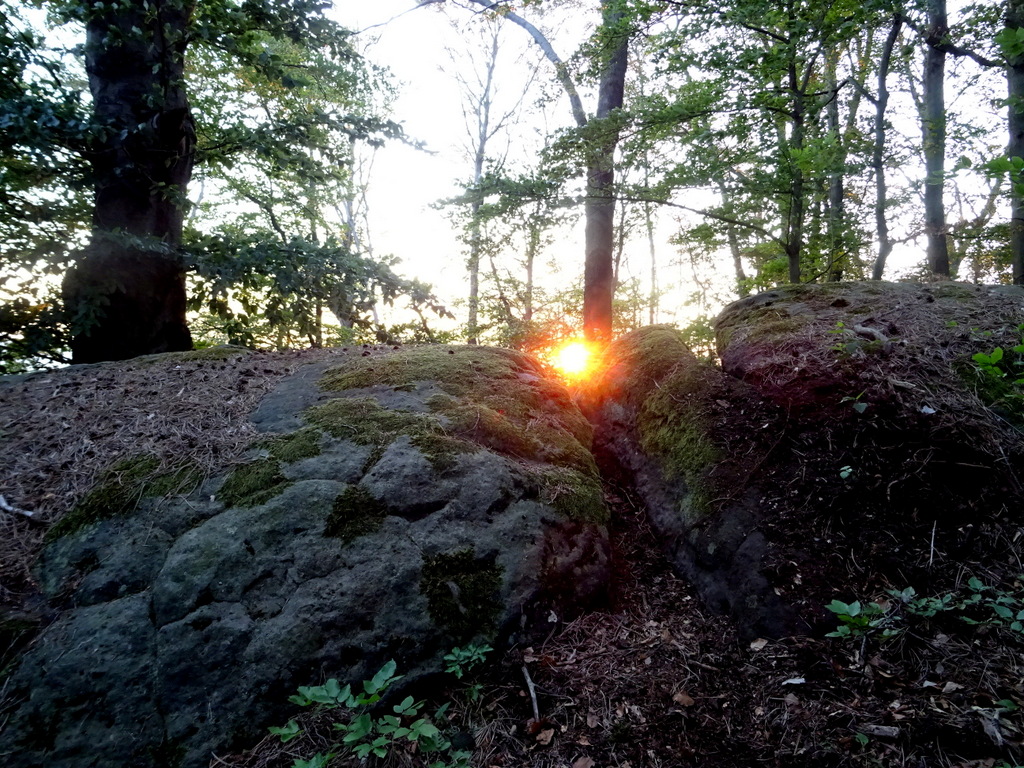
(407, 183)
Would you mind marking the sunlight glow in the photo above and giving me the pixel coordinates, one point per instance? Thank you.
(574, 359)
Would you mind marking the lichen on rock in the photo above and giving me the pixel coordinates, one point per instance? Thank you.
(449, 496)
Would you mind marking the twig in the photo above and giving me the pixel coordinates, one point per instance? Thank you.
(6, 507)
(533, 694)
(931, 554)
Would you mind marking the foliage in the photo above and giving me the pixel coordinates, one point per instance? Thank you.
(974, 604)
(264, 292)
(367, 732)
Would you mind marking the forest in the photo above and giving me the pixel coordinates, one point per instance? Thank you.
(177, 173)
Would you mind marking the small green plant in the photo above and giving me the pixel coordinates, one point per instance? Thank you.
(858, 620)
(975, 603)
(368, 734)
(462, 661)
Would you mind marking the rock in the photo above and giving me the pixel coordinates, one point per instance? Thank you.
(398, 505)
(852, 441)
(687, 436)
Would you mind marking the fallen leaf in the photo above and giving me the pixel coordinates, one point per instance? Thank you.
(583, 741)
(791, 700)
(583, 762)
(592, 720)
(950, 687)
(758, 644)
(683, 699)
(794, 681)
(544, 737)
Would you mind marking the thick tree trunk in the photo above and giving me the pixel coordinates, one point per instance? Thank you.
(933, 125)
(126, 294)
(598, 272)
(1015, 148)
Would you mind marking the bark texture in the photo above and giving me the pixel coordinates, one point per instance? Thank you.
(126, 294)
(933, 122)
(598, 273)
(1015, 148)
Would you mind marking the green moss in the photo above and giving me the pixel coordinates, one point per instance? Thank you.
(219, 353)
(356, 512)
(463, 593)
(493, 397)
(513, 432)
(302, 444)
(254, 483)
(671, 426)
(365, 421)
(576, 495)
(453, 368)
(120, 489)
(954, 291)
(783, 326)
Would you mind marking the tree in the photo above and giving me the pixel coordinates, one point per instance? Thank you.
(601, 134)
(126, 294)
(933, 127)
(1013, 49)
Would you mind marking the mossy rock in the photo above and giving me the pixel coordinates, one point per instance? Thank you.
(356, 512)
(450, 367)
(253, 483)
(365, 421)
(495, 398)
(120, 489)
(578, 496)
(219, 353)
(302, 444)
(462, 593)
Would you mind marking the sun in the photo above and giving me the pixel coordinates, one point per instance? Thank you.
(573, 359)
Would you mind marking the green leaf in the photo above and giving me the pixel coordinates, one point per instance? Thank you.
(316, 761)
(288, 732)
(358, 729)
(384, 677)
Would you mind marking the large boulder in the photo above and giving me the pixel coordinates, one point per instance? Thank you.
(399, 503)
(855, 437)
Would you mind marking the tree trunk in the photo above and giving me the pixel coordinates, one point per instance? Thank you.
(598, 280)
(878, 153)
(1015, 148)
(838, 252)
(126, 294)
(599, 209)
(797, 203)
(933, 125)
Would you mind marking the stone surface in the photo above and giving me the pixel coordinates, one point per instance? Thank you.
(849, 429)
(182, 627)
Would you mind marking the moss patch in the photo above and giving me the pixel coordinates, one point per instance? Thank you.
(356, 512)
(206, 354)
(121, 488)
(365, 421)
(511, 431)
(495, 398)
(576, 495)
(252, 484)
(463, 593)
(455, 369)
(302, 444)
